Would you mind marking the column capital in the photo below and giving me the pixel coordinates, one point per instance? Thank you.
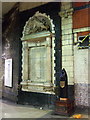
(66, 13)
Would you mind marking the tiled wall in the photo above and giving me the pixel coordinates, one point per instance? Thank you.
(75, 61)
(81, 94)
(89, 68)
(81, 65)
(67, 41)
(81, 56)
(81, 75)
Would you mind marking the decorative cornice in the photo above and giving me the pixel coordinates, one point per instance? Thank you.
(66, 13)
(81, 29)
(37, 35)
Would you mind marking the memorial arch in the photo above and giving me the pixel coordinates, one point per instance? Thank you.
(38, 54)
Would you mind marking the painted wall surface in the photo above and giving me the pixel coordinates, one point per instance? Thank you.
(11, 49)
(79, 4)
(1, 74)
(81, 16)
(67, 40)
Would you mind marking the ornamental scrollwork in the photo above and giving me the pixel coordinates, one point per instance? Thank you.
(37, 23)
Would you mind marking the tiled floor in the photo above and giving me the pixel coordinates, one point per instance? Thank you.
(12, 110)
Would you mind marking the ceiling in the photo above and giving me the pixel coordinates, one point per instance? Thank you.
(7, 6)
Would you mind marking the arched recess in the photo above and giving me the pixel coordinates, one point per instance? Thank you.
(38, 54)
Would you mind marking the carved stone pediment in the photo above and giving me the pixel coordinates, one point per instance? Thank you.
(37, 23)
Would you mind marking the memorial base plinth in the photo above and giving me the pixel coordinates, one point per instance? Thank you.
(64, 106)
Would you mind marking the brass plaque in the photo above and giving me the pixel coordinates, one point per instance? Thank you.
(62, 84)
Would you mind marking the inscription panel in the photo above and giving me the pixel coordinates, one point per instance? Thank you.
(37, 64)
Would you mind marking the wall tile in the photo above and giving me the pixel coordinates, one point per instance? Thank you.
(81, 94)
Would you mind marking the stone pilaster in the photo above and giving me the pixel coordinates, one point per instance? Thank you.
(67, 40)
(25, 61)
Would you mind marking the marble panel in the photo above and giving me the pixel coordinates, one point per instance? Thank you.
(37, 64)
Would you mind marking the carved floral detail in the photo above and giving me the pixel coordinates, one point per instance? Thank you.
(66, 13)
(37, 23)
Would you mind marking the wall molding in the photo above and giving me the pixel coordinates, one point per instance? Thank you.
(66, 13)
(81, 29)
